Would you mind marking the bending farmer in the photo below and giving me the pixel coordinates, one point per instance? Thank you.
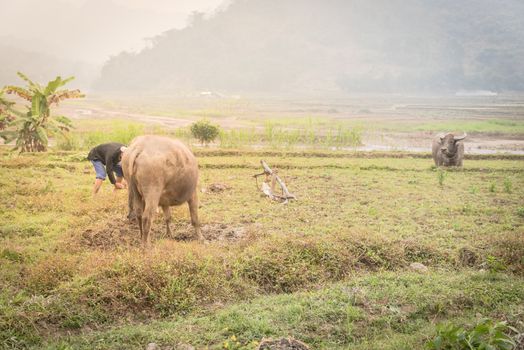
(108, 155)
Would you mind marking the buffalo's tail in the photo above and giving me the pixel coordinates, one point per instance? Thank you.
(134, 196)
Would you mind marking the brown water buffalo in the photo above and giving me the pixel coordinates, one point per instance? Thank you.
(448, 150)
(160, 172)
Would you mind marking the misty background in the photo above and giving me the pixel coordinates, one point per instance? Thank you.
(272, 47)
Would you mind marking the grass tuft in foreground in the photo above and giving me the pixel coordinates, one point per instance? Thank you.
(385, 310)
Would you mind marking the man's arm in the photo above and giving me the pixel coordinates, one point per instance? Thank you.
(109, 168)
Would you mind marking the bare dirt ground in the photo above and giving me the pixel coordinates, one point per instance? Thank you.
(122, 232)
(98, 113)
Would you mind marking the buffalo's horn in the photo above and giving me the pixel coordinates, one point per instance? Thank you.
(458, 138)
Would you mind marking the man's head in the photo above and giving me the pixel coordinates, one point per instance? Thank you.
(122, 150)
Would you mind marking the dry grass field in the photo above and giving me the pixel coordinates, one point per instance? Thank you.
(331, 268)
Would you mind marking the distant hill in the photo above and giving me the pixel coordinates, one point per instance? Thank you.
(42, 68)
(331, 46)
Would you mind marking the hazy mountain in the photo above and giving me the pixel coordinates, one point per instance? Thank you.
(89, 30)
(286, 46)
(42, 68)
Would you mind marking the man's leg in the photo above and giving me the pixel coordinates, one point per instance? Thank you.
(98, 184)
(100, 175)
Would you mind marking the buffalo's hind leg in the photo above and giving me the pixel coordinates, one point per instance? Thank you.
(151, 204)
(146, 220)
(167, 218)
(131, 215)
(138, 211)
(139, 218)
(193, 210)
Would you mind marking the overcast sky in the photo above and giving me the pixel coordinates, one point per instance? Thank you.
(92, 30)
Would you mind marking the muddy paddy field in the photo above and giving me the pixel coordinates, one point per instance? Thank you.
(495, 124)
(333, 269)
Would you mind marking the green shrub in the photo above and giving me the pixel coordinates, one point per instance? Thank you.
(204, 131)
(495, 264)
(485, 335)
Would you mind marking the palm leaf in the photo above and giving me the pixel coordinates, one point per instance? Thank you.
(24, 118)
(23, 93)
(67, 80)
(18, 113)
(63, 120)
(32, 84)
(53, 85)
(8, 135)
(63, 124)
(53, 126)
(4, 103)
(18, 122)
(64, 94)
(35, 104)
(42, 135)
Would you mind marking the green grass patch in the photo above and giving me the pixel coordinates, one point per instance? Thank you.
(386, 310)
(72, 274)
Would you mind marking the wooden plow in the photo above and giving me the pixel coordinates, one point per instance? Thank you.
(268, 186)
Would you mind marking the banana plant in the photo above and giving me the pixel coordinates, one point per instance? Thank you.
(31, 129)
(6, 111)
